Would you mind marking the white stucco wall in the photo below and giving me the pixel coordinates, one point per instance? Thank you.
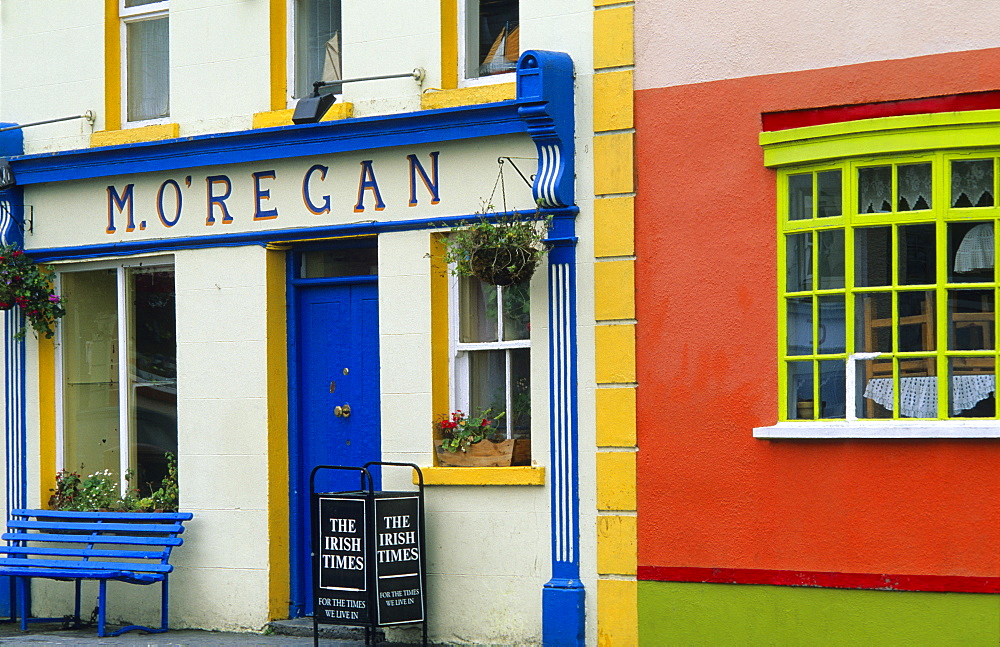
(680, 41)
(488, 547)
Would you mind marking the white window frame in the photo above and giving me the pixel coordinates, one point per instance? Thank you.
(459, 353)
(291, 48)
(463, 53)
(127, 15)
(124, 430)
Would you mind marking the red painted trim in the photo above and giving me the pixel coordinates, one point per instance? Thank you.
(835, 114)
(873, 581)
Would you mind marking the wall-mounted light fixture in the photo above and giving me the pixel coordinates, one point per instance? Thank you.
(90, 116)
(311, 109)
(6, 172)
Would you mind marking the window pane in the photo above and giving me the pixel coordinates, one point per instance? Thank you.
(152, 373)
(831, 259)
(972, 316)
(800, 391)
(317, 45)
(520, 393)
(831, 324)
(800, 198)
(492, 37)
(914, 187)
(917, 254)
(873, 331)
(478, 311)
(971, 252)
(832, 383)
(973, 387)
(798, 264)
(487, 383)
(872, 256)
(516, 312)
(875, 189)
(874, 396)
(972, 183)
(90, 372)
(800, 326)
(148, 69)
(331, 263)
(829, 198)
(916, 321)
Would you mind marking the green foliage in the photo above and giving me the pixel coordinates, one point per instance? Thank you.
(26, 284)
(461, 430)
(510, 242)
(99, 491)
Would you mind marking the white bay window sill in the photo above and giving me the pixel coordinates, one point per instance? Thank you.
(881, 429)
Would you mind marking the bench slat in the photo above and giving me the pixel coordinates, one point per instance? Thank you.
(128, 528)
(61, 514)
(92, 539)
(69, 565)
(70, 551)
(85, 574)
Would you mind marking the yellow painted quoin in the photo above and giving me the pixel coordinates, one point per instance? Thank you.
(614, 316)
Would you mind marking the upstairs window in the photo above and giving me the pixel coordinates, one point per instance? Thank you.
(317, 45)
(493, 353)
(491, 37)
(146, 35)
(889, 273)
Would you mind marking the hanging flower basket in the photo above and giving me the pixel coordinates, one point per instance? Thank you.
(500, 250)
(28, 285)
(504, 265)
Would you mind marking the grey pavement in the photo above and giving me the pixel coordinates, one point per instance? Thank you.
(52, 634)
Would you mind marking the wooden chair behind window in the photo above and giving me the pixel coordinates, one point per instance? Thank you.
(908, 367)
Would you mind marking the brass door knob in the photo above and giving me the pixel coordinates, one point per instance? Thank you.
(342, 411)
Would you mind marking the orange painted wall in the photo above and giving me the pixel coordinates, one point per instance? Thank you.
(709, 494)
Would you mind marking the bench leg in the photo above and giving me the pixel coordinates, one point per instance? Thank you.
(76, 607)
(101, 600)
(164, 615)
(164, 608)
(22, 601)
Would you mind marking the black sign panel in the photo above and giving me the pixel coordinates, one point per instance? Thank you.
(340, 561)
(398, 565)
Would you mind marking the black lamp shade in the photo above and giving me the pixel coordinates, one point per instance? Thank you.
(309, 110)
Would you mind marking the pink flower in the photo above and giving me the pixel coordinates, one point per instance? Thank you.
(54, 298)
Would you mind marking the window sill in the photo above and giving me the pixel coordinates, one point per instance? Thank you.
(137, 135)
(533, 475)
(276, 118)
(881, 430)
(469, 96)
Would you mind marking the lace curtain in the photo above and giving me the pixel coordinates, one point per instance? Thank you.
(875, 189)
(972, 184)
(914, 187)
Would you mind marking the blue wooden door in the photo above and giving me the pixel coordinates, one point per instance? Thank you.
(336, 368)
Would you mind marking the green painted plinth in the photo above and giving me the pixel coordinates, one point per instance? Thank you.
(726, 614)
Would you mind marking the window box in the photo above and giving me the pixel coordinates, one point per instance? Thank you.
(486, 453)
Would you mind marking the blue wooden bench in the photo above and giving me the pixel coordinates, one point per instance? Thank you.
(75, 546)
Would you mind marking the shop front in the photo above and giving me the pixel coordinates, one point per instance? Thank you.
(260, 302)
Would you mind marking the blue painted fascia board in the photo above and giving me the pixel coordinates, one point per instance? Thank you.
(324, 138)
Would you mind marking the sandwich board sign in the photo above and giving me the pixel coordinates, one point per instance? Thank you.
(369, 563)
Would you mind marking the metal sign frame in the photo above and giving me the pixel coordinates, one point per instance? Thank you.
(351, 541)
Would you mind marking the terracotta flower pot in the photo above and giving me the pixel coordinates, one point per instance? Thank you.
(487, 453)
